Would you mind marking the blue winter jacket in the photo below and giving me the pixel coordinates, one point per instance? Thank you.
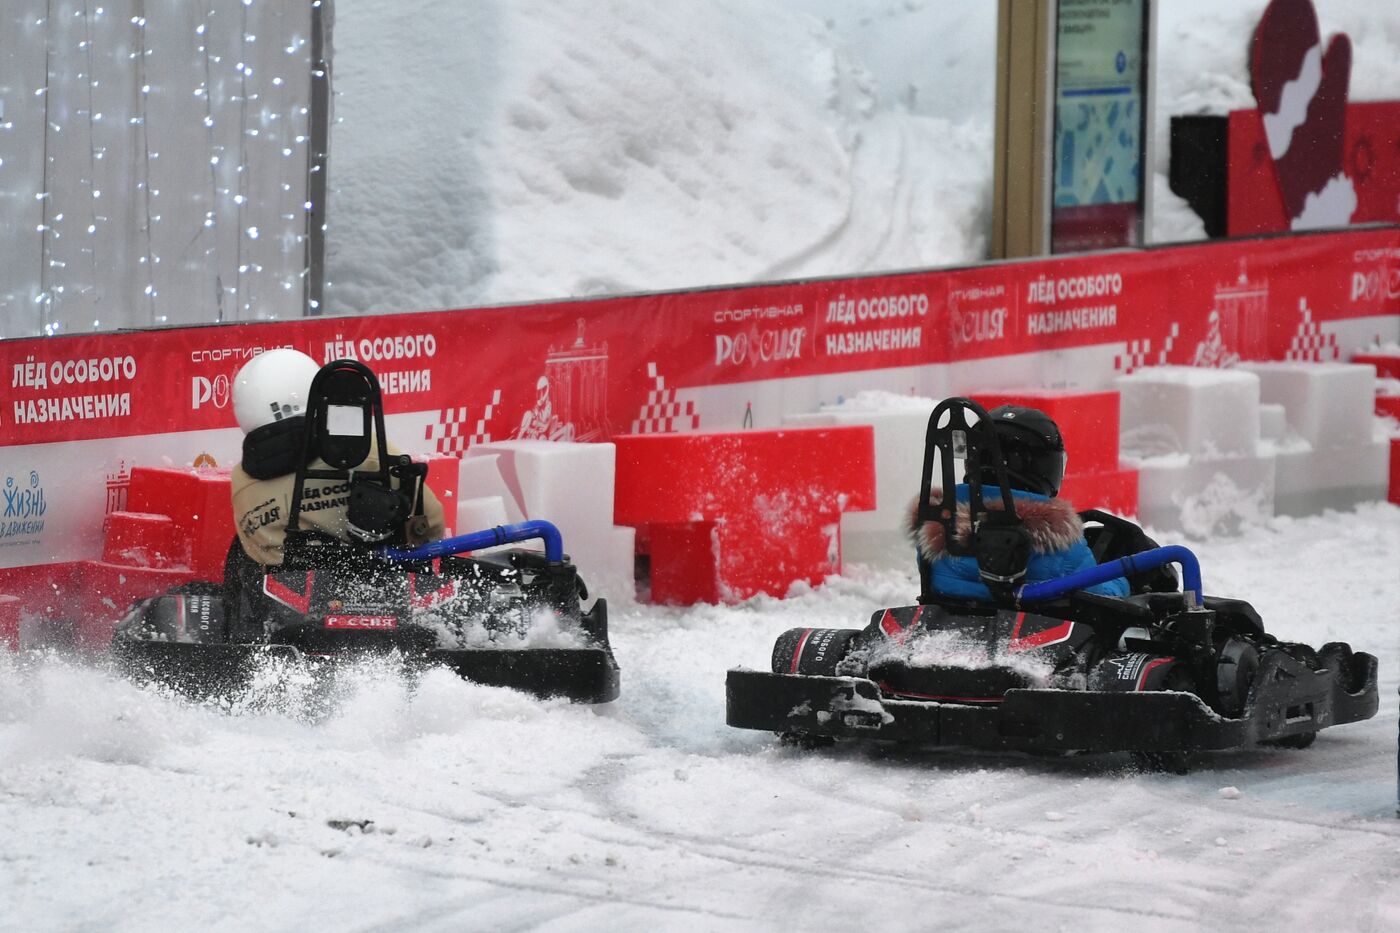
(1057, 545)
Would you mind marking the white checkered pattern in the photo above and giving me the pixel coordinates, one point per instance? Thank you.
(1309, 343)
(662, 414)
(1139, 353)
(447, 433)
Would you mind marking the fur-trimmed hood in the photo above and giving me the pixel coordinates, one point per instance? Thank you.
(1053, 524)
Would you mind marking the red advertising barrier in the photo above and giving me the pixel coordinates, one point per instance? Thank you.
(1370, 159)
(615, 365)
(77, 411)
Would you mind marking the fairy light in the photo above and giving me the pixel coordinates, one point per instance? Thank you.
(243, 107)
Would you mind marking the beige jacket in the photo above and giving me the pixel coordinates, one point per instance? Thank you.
(261, 508)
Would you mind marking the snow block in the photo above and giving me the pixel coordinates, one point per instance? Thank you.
(1387, 363)
(142, 539)
(878, 536)
(1332, 477)
(1327, 404)
(565, 483)
(198, 503)
(1209, 413)
(1273, 423)
(9, 622)
(729, 515)
(1205, 497)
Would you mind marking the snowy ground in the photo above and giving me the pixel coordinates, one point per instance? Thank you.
(460, 807)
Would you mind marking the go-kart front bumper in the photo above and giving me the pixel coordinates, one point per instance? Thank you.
(1047, 719)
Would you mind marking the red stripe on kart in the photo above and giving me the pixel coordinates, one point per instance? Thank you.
(287, 596)
(1051, 636)
(890, 625)
(1147, 669)
(797, 652)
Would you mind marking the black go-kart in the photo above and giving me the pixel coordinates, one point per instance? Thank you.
(511, 618)
(1046, 667)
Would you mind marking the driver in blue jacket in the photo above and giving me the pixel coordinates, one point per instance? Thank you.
(1035, 459)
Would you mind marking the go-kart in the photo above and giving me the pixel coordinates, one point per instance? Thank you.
(511, 618)
(1045, 666)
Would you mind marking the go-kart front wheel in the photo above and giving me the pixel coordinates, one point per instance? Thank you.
(812, 650)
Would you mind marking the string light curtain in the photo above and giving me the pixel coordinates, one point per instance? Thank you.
(154, 162)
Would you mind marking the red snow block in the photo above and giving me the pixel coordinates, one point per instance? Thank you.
(443, 478)
(9, 622)
(141, 539)
(1388, 406)
(730, 515)
(108, 590)
(1115, 492)
(1088, 422)
(1394, 495)
(198, 502)
(1387, 364)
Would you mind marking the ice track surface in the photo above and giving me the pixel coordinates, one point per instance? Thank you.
(460, 807)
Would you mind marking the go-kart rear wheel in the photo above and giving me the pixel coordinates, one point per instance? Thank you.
(812, 650)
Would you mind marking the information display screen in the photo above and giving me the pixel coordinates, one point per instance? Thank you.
(1100, 102)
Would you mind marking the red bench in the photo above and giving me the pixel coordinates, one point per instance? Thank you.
(726, 516)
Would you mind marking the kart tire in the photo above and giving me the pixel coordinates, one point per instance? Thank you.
(811, 651)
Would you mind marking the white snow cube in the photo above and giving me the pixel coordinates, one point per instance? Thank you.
(568, 484)
(1332, 477)
(1328, 404)
(1207, 413)
(878, 536)
(1273, 422)
(1200, 497)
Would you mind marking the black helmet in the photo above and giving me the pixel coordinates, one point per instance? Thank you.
(1032, 447)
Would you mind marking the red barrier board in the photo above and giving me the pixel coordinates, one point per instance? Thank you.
(1371, 160)
(587, 370)
(612, 365)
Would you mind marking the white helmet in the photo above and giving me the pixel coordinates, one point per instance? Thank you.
(272, 386)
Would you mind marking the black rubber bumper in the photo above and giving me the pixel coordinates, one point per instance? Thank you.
(583, 675)
(1048, 720)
